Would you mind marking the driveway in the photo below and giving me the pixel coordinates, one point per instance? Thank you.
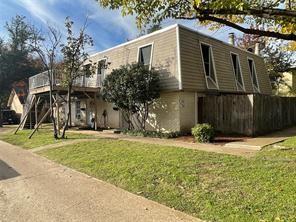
(33, 188)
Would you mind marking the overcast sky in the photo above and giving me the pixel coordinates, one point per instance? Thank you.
(108, 28)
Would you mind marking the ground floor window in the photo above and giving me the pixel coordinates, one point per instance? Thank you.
(78, 110)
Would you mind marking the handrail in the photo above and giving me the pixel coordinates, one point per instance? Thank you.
(41, 80)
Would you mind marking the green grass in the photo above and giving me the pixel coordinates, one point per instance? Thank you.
(41, 138)
(210, 186)
(289, 143)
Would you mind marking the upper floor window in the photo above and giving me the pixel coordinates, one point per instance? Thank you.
(253, 74)
(209, 66)
(145, 54)
(237, 72)
(101, 67)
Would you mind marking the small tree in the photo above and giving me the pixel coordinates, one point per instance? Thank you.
(74, 57)
(132, 88)
(46, 49)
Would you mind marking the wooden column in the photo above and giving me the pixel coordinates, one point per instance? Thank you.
(36, 113)
(96, 111)
(58, 114)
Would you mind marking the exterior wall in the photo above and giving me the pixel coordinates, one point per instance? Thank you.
(88, 112)
(193, 72)
(113, 117)
(16, 105)
(188, 111)
(164, 115)
(164, 56)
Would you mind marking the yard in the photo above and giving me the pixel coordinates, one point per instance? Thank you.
(41, 138)
(210, 186)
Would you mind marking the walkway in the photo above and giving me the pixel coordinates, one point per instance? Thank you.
(33, 188)
(260, 142)
(173, 142)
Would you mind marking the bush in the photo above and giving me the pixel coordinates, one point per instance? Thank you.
(153, 134)
(203, 133)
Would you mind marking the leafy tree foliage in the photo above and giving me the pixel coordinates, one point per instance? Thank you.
(275, 18)
(16, 59)
(132, 88)
(277, 59)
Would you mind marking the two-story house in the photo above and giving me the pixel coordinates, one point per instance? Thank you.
(191, 66)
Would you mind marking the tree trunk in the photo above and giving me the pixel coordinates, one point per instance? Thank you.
(55, 131)
(69, 112)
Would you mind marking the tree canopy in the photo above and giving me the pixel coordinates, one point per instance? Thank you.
(132, 88)
(16, 60)
(270, 18)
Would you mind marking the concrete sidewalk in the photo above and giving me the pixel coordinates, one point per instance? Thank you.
(246, 152)
(33, 188)
(257, 143)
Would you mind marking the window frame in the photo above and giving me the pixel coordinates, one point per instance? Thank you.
(151, 54)
(97, 75)
(240, 68)
(78, 114)
(214, 66)
(255, 88)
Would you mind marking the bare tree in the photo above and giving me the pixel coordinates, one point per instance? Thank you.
(74, 57)
(47, 48)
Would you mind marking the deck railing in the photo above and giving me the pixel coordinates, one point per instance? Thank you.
(41, 80)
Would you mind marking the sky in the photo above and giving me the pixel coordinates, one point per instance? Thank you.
(107, 27)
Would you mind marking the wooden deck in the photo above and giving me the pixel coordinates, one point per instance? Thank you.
(62, 90)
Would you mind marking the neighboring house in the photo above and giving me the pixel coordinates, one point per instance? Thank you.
(17, 97)
(287, 86)
(191, 66)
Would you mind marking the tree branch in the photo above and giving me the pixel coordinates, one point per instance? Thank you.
(259, 32)
(262, 12)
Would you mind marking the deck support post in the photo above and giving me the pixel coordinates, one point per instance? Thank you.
(40, 122)
(36, 112)
(58, 113)
(96, 111)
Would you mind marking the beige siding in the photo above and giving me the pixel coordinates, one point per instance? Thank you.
(164, 56)
(188, 111)
(192, 67)
(16, 105)
(263, 79)
(164, 115)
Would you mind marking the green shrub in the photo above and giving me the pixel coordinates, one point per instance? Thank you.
(153, 134)
(203, 133)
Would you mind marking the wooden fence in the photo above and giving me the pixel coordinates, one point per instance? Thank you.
(248, 114)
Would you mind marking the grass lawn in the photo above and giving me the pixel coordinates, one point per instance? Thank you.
(289, 143)
(40, 138)
(210, 186)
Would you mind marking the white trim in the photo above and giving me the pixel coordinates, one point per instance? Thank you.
(137, 39)
(167, 29)
(151, 53)
(255, 73)
(214, 67)
(240, 68)
(179, 58)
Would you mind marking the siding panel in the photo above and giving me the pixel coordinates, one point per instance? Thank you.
(192, 67)
(164, 57)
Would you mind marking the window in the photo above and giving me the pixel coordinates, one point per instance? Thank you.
(78, 110)
(237, 72)
(100, 72)
(101, 67)
(253, 75)
(209, 66)
(145, 53)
